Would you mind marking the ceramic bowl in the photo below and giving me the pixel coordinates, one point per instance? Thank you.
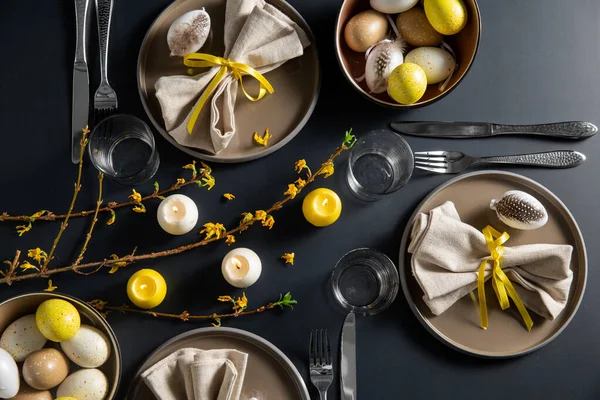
(352, 63)
(16, 307)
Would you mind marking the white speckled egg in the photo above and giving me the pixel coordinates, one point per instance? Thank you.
(437, 63)
(9, 376)
(89, 348)
(85, 384)
(393, 6)
(22, 338)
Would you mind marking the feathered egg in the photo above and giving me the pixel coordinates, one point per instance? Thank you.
(381, 61)
(520, 210)
(188, 33)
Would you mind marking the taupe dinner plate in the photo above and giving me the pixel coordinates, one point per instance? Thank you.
(285, 112)
(269, 375)
(506, 335)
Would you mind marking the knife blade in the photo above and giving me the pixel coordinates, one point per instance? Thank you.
(81, 82)
(348, 359)
(465, 130)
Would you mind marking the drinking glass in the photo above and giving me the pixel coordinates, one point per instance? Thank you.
(380, 163)
(122, 147)
(365, 281)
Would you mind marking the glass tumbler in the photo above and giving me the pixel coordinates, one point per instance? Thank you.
(380, 163)
(122, 147)
(365, 281)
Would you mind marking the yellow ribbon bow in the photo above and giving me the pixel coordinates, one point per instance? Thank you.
(200, 60)
(500, 282)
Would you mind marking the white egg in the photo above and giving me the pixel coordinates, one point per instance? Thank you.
(437, 63)
(85, 384)
(89, 348)
(188, 33)
(393, 6)
(9, 376)
(22, 338)
(382, 60)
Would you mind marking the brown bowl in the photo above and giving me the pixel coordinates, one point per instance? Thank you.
(352, 63)
(19, 306)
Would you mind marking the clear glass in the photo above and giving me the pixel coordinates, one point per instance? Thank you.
(122, 147)
(365, 281)
(380, 163)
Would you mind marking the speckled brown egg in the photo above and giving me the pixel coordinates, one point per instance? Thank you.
(365, 29)
(26, 392)
(45, 369)
(414, 27)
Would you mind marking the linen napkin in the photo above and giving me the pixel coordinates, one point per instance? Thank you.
(256, 34)
(447, 254)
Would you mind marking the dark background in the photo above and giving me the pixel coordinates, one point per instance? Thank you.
(537, 62)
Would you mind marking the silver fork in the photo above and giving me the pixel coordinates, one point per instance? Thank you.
(452, 162)
(105, 99)
(321, 364)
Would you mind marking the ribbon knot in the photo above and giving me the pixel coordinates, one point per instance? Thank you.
(500, 282)
(238, 70)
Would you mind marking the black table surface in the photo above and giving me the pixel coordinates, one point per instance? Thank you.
(537, 62)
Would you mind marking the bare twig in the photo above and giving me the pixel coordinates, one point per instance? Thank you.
(88, 237)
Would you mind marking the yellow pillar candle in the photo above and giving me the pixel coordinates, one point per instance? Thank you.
(146, 288)
(322, 207)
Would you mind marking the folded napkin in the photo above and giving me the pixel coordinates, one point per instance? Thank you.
(256, 34)
(194, 374)
(447, 254)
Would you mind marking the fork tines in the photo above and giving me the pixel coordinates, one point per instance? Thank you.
(319, 349)
(435, 161)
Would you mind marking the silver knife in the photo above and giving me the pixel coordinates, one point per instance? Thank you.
(348, 359)
(466, 130)
(81, 83)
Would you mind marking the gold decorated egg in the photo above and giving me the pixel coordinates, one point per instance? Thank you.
(448, 17)
(57, 319)
(365, 29)
(416, 30)
(407, 83)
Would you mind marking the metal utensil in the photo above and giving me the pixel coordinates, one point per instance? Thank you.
(466, 130)
(81, 84)
(348, 359)
(105, 99)
(451, 162)
(321, 364)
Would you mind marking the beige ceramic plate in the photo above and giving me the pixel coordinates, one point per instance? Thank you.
(459, 327)
(284, 112)
(270, 374)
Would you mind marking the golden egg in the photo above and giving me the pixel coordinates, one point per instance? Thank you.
(448, 17)
(365, 29)
(45, 369)
(407, 83)
(416, 29)
(26, 392)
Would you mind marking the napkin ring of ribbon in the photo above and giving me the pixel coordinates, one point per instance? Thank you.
(201, 60)
(500, 282)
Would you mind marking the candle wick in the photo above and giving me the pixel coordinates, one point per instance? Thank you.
(143, 286)
(325, 202)
(175, 209)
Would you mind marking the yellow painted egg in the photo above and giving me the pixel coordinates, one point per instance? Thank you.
(407, 83)
(365, 29)
(448, 17)
(437, 63)
(57, 319)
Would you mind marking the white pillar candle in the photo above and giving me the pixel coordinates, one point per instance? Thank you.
(241, 267)
(177, 214)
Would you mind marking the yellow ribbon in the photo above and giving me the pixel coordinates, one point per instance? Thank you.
(200, 60)
(500, 282)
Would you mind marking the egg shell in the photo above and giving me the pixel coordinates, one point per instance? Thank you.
(22, 338)
(89, 348)
(393, 6)
(57, 319)
(28, 393)
(407, 83)
(188, 33)
(45, 369)
(9, 376)
(448, 17)
(85, 384)
(65, 398)
(415, 29)
(365, 29)
(382, 60)
(437, 63)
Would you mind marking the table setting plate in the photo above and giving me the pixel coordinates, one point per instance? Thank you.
(284, 113)
(269, 375)
(506, 335)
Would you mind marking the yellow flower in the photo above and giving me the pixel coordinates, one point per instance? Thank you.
(211, 230)
(140, 208)
(21, 229)
(300, 183)
(225, 299)
(241, 303)
(85, 130)
(300, 165)
(327, 170)
(112, 218)
(191, 166)
(25, 265)
(208, 180)
(37, 254)
(269, 221)
(38, 214)
(205, 168)
(180, 181)
(50, 288)
(292, 190)
(217, 320)
(262, 140)
(230, 240)
(229, 196)
(247, 218)
(260, 215)
(115, 266)
(289, 258)
(135, 197)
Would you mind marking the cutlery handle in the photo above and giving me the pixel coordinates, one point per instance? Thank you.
(323, 395)
(81, 17)
(569, 130)
(103, 15)
(550, 159)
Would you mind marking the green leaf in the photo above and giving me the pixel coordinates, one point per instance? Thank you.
(156, 187)
(286, 301)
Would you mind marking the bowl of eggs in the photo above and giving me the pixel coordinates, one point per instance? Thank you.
(54, 346)
(407, 53)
